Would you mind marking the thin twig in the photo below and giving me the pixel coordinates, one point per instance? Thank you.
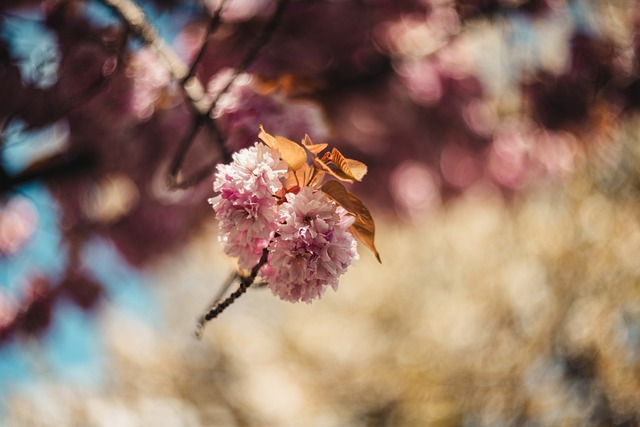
(213, 25)
(223, 289)
(245, 283)
(176, 163)
(178, 158)
(135, 19)
(251, 56)
(64, 165)
(173, 181)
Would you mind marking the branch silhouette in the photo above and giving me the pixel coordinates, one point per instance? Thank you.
(219, 306)
(193, 89)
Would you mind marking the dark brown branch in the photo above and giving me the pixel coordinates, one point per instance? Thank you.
(178, 158)
(56, 167)
(173, 180)
(223, 289)
(245, 282)
(213, 25)
(135, 19)
(251, 56)
(69, 163)
(176, 164)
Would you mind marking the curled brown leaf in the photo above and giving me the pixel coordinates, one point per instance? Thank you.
(313, 148)
(345, 169)
(293, 154)
(363, 228)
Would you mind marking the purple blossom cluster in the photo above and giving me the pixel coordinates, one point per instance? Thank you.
(305, 232)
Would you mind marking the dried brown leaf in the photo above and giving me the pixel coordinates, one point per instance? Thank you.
(316, 177)
(358, 169)
(299, 177)
(352, 169)
(313, 148)
(336, 173)
(363, 228)
(293, 154)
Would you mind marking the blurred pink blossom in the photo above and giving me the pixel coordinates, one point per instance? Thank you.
(508, 156)
(18, 221)
(556, 153)
(150, 78)
(242, 10)
(244, 107)
(188, 41)
(460, 167)
(8, 313)
(419, 34)
(415, 189)
(522, 154)
(422, 80)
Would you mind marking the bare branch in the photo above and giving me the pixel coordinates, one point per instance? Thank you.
(214, 23)
(223, 289)
(173, 180)
(251, 56)
(245, 282)
(261, 41)
(134, 17)
(64, 165)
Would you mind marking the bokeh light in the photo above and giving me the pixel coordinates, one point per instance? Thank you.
(501, 138)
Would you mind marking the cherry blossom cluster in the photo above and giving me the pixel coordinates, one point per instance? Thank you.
(270, 199)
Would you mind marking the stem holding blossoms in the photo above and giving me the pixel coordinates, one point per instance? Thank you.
(245, 283)
(271, 204)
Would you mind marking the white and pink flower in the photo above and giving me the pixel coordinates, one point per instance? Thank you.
(306, 234)
(245, 207)
(313, 249)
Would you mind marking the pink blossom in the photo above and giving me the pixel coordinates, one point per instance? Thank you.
(255, 170)
(245, 207)
(8, 311)
(247, 249)
(309, 244)
(149, 80)
(313, 248)
(245, 106)
(18, 222)
(242, 10)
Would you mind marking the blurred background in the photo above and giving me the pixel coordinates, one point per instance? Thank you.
(504, 177)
